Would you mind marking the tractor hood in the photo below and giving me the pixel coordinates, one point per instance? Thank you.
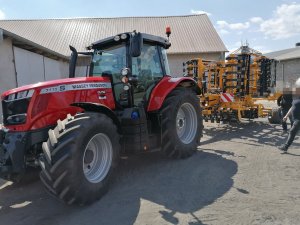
(40, 105)
(55, 83)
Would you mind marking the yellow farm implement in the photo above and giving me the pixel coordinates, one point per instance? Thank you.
(231, 88)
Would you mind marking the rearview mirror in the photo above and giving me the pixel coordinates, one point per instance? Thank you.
(136, 44)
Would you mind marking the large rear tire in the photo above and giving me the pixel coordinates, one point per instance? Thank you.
(182, 123)
(79, 158)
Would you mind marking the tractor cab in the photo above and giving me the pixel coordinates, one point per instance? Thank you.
(134, 62)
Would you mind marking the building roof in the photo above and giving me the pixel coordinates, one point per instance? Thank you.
(190, 34)
(286, 54)
(31, 46)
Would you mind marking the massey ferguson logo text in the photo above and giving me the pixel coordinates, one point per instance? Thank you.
(72, 87)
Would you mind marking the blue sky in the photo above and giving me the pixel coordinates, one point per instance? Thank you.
(267, 25)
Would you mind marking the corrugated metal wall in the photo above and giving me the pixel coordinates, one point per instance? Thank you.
(32, 68)
(7, 69)
(55, 69)
(28, 68)
(287, 72)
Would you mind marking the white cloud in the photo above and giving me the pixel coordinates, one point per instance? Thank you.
(2, 15)
(256, 20)
(261, 49)
(200, 12)
(222, 23)
(233, 26)
(234, 46)
(284, 23)
(238, 44)
(223, 31)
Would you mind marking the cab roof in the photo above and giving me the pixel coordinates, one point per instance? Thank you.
(146, 38)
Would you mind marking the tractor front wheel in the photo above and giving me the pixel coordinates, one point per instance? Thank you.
(79, 158)
(182, 123)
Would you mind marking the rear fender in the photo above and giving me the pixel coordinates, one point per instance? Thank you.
(100, 108)
(165, 86)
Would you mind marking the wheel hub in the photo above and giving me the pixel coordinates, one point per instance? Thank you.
(180, 123)
(97, 158)
(186, 123)
(89, 156)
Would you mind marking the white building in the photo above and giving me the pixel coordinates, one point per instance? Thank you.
(286, 66)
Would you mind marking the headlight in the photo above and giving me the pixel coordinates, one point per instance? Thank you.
(15, 107)
(117, 38)
(17, 119)
(125, 71)
(126, 87)
(20, 95)
(123, 36)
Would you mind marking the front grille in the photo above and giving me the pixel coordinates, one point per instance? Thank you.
(14, 112)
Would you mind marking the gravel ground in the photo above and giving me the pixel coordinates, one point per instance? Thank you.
(237, 177)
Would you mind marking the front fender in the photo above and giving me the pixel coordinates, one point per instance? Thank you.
(97, 107)
(165, 86)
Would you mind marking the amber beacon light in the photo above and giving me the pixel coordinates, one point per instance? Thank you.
(168, 31)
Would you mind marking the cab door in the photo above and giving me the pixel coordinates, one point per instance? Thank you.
(147, 69)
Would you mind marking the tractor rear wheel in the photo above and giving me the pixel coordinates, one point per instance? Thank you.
(182, 123)
(79, 157)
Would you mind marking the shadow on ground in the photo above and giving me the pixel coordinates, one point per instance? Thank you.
(170, 187)
(256, 133)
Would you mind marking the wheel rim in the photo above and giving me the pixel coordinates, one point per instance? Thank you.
(97, 158)
(186, 123)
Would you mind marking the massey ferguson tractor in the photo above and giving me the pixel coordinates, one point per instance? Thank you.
(76, 128)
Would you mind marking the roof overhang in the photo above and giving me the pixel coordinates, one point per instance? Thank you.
(23, 43)
(279, 59)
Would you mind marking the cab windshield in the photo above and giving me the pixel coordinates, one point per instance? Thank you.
(109, 61)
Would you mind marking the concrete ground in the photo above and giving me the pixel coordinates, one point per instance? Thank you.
(237, 177)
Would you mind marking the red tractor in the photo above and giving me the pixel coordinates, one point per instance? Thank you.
(76, 128)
